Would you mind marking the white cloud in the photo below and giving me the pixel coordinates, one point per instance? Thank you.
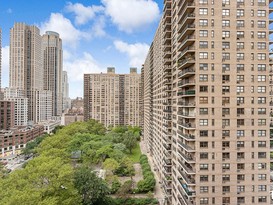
(98, 27)
(69, 34)
(83, 14)
(5, 66)
(137, 52)
(76, 67)
(130, 15)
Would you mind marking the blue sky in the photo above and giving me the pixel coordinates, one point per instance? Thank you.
(96, 34)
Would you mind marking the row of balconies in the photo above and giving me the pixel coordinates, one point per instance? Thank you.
(186, 114)
(188, 30)
(187, 50)
(186, 62)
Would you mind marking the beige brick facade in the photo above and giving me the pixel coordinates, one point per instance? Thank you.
(206, 101)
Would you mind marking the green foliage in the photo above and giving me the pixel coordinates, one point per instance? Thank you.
(125, 189)
(92, 188)
(134, 201)
(130, 140)
(32, 145)
(136, 153)
(57, 128)
(125, 168)
(148, 183)
(50, 179)
(115, 185)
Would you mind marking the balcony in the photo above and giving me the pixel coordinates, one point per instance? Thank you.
(188, 190)
(167, 68)
(186, 7)
(186, 147)
(188, 50)
(187, 168)
(167, 110)
(187, 157)
(188, 30)
(185, 200)
(187, 178)
(186, 93)
(167, 75)
(186, 104)
(185, 82)
(186, 114)
(188, 18)
(167, 61)
(186, 73)
(187, 125)
(167, 162)
(187, 137)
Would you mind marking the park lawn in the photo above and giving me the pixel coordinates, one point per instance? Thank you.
(135, 154)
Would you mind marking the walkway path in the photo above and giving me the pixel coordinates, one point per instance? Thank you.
(158, 192)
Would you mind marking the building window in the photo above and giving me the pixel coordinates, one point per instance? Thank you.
(240, 89)
(204, 200)
(204, 178)
(261, 143)
(261, 100)
(204, 144)
(203, 11)
(262, 199)
(203, 100)
(203, 33)
(203, 122)
(204, 166)
(261, 133)
(203, 22)
(203, 78)
(240, 13)
(204, 155)
(225, 45)
(261, 13)
(240, 189)
(203, 44)
(225, 12)
(203, 111)
(225, 34)
(240, 34)
(204, 133)
(261, 24)
(226, 166)
(203, 55)
(261, 56)
(262, 155)
(225, 122)
(225, 23)
(226, 178)
(261, 89)
(261, 187)
(261, 78)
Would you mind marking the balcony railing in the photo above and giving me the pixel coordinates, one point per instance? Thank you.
(188, 92)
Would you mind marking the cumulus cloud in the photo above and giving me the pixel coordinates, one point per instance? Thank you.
(83, 13)
(5, 66)
(76, 67)
(137, 52)
(69, 34)
(130, 15)
(98, 27)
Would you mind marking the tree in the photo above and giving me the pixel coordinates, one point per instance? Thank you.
(130, 140)
(110, 165)
(45, 180)
(120, 146)
(91, 188)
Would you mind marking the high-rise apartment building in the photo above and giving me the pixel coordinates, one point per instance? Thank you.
(26, 67)
(53, 69)
(206, 101)
(113, 99)
(20, 105)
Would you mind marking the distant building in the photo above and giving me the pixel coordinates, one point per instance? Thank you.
(53, 69)
(6, 114)
(65, 90)
(50, 125)
(12, 141)
(69, 118)
(20, 105)
(113, 99)
(77, 103)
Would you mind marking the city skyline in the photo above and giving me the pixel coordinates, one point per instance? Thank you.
(95, 36)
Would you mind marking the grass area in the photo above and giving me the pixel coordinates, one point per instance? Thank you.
(135, 154)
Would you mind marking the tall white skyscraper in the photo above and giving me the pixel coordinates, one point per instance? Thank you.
(53, 69)
(26, 65)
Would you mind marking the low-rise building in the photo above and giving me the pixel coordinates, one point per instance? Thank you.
(13, 140)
